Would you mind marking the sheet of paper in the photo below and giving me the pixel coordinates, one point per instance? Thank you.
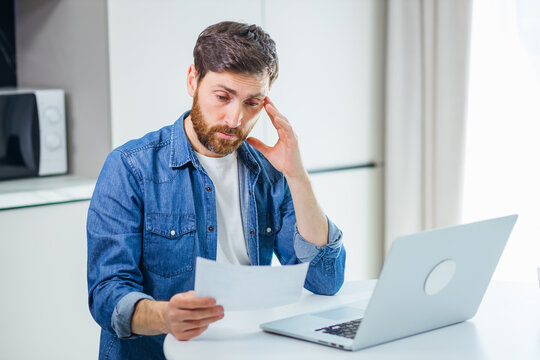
(238, 287)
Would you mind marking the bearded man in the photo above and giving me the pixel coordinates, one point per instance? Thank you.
(200, 187)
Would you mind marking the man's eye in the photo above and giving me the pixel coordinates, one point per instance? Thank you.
(253, 104)
(222, 98)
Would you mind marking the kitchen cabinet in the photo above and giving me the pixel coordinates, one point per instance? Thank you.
(43, 305)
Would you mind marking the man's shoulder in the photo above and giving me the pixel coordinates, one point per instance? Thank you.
(147, 157)
(150, 142)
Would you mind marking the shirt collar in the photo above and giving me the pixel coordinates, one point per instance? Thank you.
(181, 150)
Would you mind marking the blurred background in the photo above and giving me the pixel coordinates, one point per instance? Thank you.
(410, 114)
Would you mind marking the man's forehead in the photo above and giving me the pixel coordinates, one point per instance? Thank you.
(238, 83)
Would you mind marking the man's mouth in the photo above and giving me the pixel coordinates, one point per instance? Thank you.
(226, 136)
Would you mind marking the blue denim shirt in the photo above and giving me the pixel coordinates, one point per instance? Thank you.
(153, 212)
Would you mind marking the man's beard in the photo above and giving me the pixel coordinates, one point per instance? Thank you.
(208, 135)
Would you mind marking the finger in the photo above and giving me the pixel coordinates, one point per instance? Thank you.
(259, 145)
(267, 101)
(190, 301)
(278, 120)
(194, 324)
(275, 112)
(189, 334)
(272, 111)
(272, 106)
(200, 313)
(283, 128)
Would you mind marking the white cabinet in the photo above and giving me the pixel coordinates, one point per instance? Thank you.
(43, 302)
(330, 81)
(352, 200)
(330, 88)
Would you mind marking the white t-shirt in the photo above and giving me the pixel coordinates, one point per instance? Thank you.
(223, 171)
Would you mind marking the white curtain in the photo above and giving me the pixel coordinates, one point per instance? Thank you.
(426, 82)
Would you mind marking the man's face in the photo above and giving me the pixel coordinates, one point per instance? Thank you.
(226, 107)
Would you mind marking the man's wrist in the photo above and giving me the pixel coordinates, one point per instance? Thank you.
(163, 307)
(302, 179)
(311, 222)
(150, 318)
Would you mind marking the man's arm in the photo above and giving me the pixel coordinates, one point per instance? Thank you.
(310, 220)
(315, 238)
(114, 234)
(285, 157)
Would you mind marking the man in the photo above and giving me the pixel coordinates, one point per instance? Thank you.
(199, 188)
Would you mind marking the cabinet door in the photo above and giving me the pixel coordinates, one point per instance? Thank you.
(352, 200)
(330, 82)
(151, 47)
(44, 307)
(330, 87)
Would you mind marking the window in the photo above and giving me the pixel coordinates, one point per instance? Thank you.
(502, 162)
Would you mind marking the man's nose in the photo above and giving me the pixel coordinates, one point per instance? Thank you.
(234, 117)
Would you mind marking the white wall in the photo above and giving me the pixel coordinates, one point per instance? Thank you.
(63, 44)
(149, 63)
(501, 171)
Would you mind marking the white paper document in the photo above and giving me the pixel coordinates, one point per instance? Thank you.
(238, 287)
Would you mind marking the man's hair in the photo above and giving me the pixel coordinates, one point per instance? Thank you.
(236, 47)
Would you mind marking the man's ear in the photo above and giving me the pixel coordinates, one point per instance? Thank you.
(192, 79)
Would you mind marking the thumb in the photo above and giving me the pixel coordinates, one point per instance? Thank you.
(259, 145)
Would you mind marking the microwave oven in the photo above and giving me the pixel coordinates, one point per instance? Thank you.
(32, 133)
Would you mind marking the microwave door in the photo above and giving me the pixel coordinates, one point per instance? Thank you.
(19, 136)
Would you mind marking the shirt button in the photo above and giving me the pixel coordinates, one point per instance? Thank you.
(211, 228)
(251, 232)
(208, 188)
(173, 232)
(268, 229)
(249, 192)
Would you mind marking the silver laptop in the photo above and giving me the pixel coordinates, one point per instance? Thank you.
(429, 280)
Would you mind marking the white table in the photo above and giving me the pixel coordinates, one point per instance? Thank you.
(507, 326)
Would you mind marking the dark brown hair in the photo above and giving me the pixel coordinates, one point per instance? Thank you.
(236, 47)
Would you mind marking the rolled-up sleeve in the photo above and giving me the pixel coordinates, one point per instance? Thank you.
(123, 311)
(306, 251)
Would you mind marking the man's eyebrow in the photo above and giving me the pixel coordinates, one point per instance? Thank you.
(232, 91)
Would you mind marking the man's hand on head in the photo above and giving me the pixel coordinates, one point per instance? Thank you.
(285, 157)
(285, 154)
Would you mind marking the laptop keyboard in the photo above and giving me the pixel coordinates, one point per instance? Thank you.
(347, 329)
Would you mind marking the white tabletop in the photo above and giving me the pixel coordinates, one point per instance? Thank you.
(507, 326)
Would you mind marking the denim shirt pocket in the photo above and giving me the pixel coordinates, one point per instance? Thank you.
(168, 244)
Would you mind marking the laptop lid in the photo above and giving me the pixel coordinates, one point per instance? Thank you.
(433, 279)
